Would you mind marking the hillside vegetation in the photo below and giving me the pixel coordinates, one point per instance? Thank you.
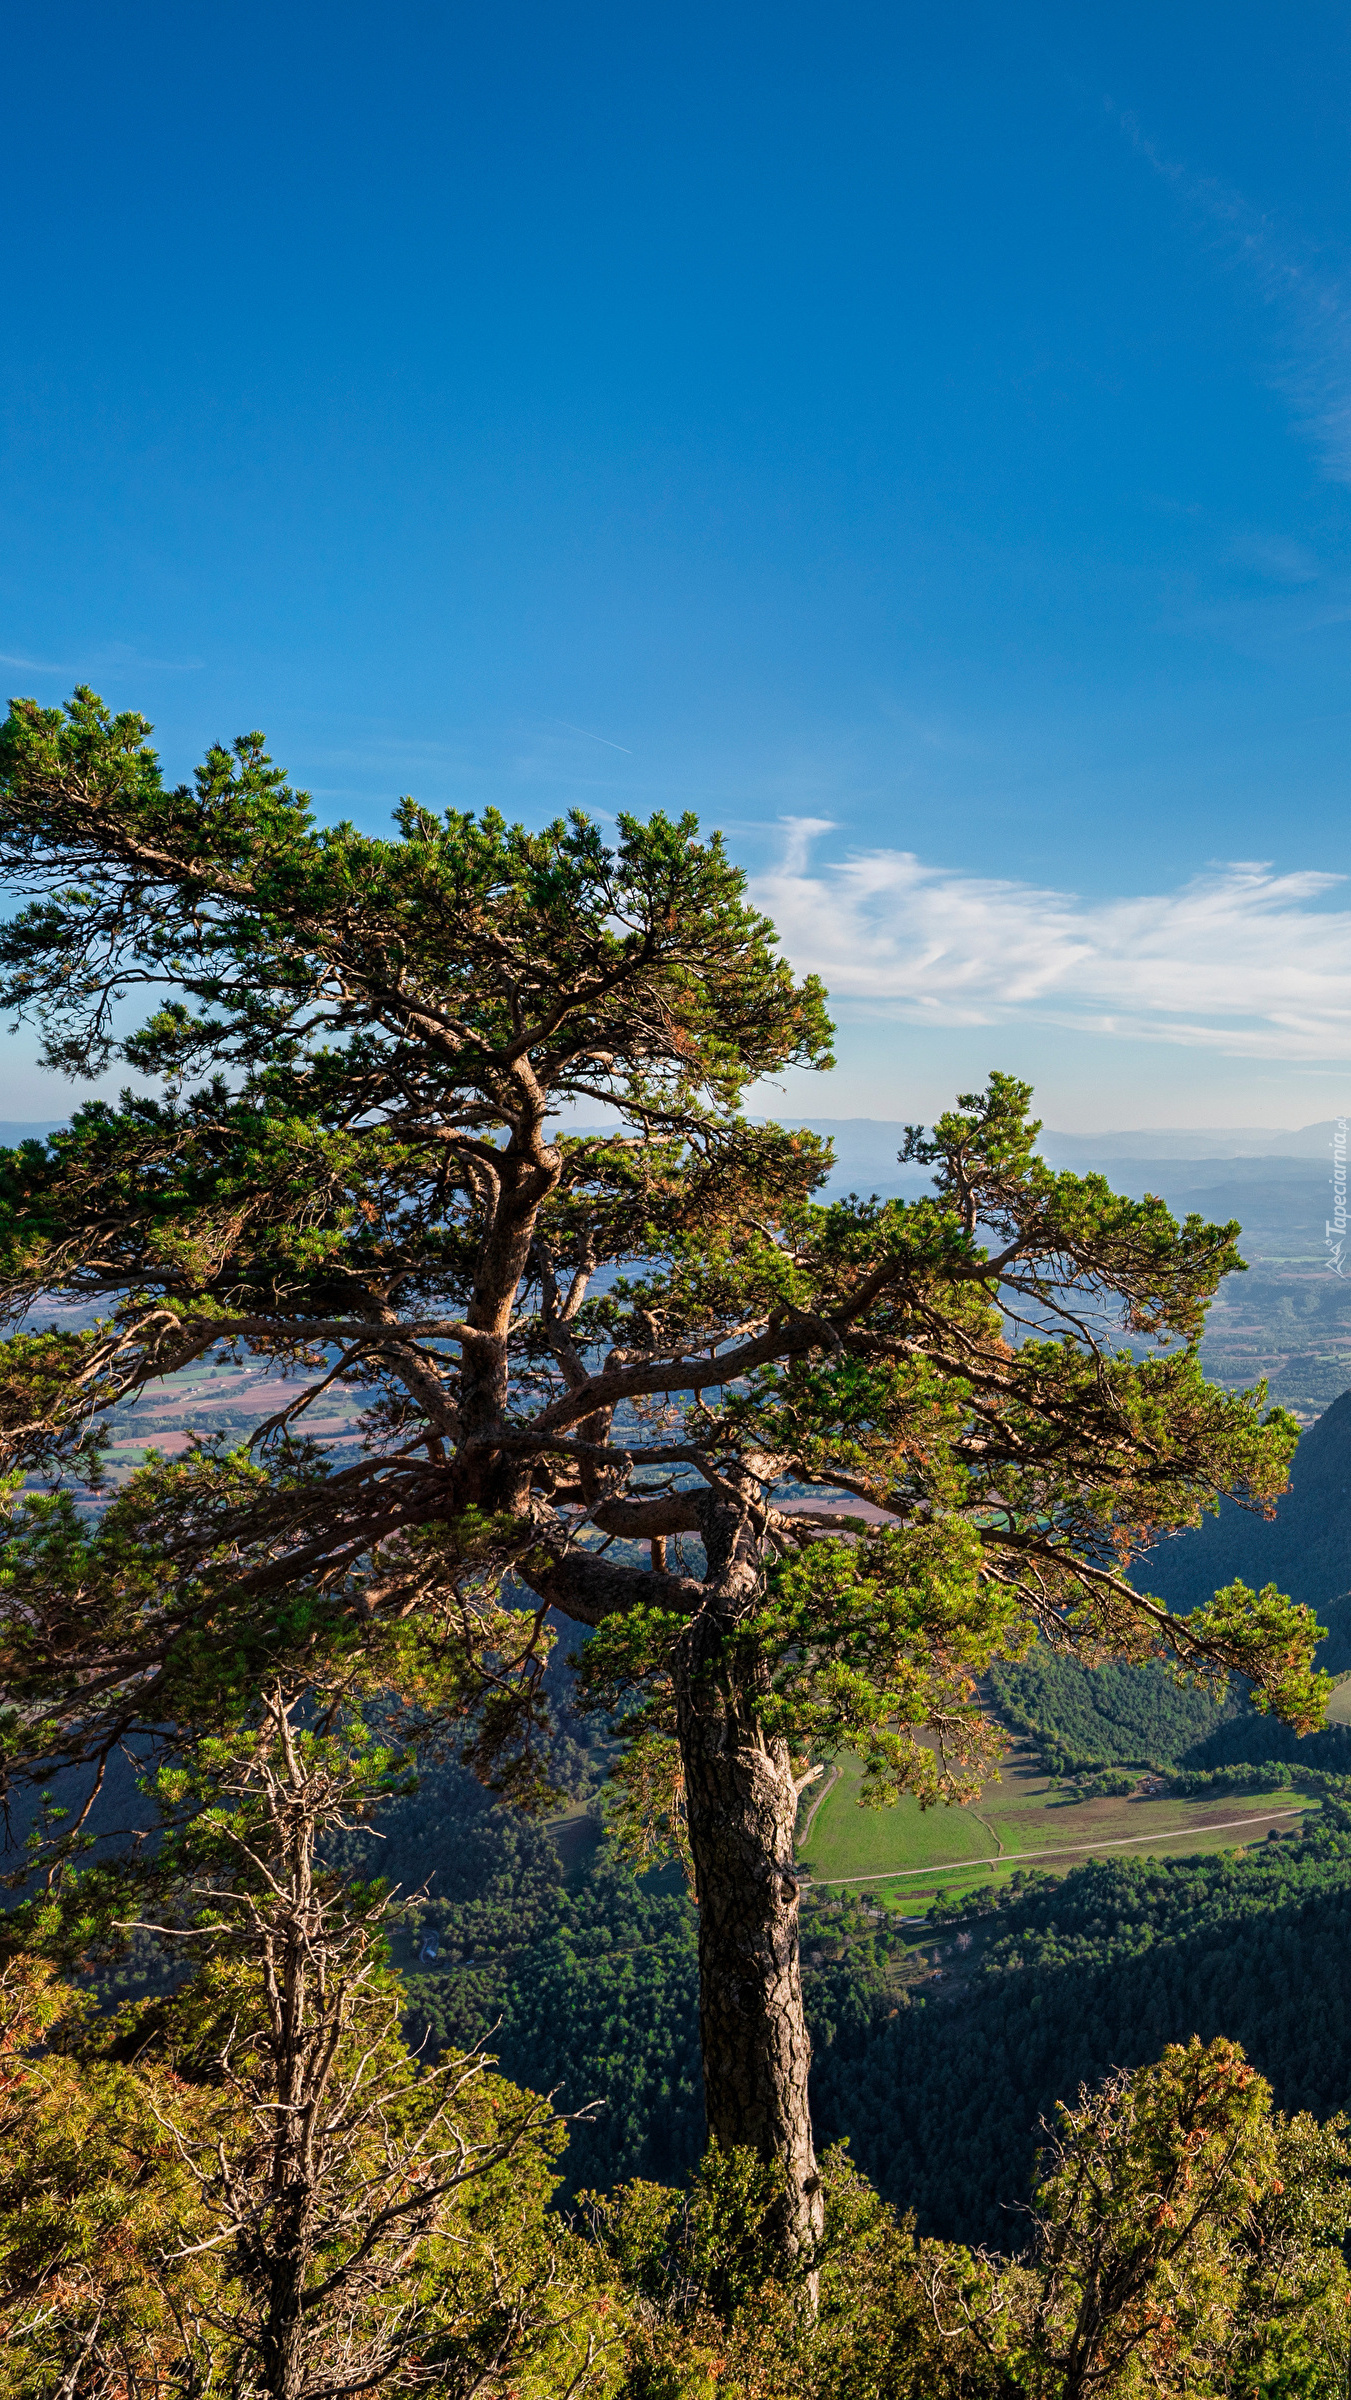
(1305, 1548)
(938, 2079)
(1132, 1716)
(1064, 1980)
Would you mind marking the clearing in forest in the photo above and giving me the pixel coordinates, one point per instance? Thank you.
(1024, 1820)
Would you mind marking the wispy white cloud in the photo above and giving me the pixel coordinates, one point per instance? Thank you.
(108, 658)
(1276, 558)
(1308, 297)
(1241, 959)
(602, 738)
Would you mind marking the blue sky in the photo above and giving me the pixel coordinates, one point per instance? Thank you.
(917, 438)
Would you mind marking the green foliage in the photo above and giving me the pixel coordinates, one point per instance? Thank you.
(645, 1801)
(868, 1641)
(1249, 1739)
(589, 1991)
(382, 1028)
(252, 2182)
(93, 2191)
(1182, 2237)
(1186, 2239)
(1107, 1715)
(1083, 1718)
(714, 2316)
(685, 2295)
(1076, 1976)
(154, 1598)
(599, 2005)
(882, 1637)
(249, 902)
(1248, 1628)
(1303, 1545)
(490, 1877)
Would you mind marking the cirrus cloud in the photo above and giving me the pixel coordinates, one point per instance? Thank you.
(1240, 959)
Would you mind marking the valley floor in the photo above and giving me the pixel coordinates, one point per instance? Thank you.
(906, 1856)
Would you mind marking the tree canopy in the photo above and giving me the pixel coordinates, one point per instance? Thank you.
(802, 1469)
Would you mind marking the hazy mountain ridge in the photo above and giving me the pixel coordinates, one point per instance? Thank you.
(1287, 1321)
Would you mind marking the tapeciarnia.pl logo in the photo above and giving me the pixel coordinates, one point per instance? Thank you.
(1334, 1232)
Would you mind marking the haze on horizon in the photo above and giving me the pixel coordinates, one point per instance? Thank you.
(918, 442)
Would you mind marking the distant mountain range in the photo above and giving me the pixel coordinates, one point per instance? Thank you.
(875, 1141)
(1237, 1141)
(11, 1133)
(866, 1152)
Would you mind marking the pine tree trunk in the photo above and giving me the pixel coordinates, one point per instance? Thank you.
(742, 1807)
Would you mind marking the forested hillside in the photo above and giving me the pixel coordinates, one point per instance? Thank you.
(1305, 1549)
(587, 1984)
(1079, 1718)
(1069, 1979)
(592, 1989)
(1104, 1716)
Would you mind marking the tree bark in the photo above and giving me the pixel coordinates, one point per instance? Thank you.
(741, 1812)
(741, 1806)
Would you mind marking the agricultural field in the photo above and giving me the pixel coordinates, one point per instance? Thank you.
(906, 1856)
(233, 1400)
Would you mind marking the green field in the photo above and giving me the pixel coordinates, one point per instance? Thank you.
(907, 1853)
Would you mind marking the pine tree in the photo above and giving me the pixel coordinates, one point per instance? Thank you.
(637, 1376)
